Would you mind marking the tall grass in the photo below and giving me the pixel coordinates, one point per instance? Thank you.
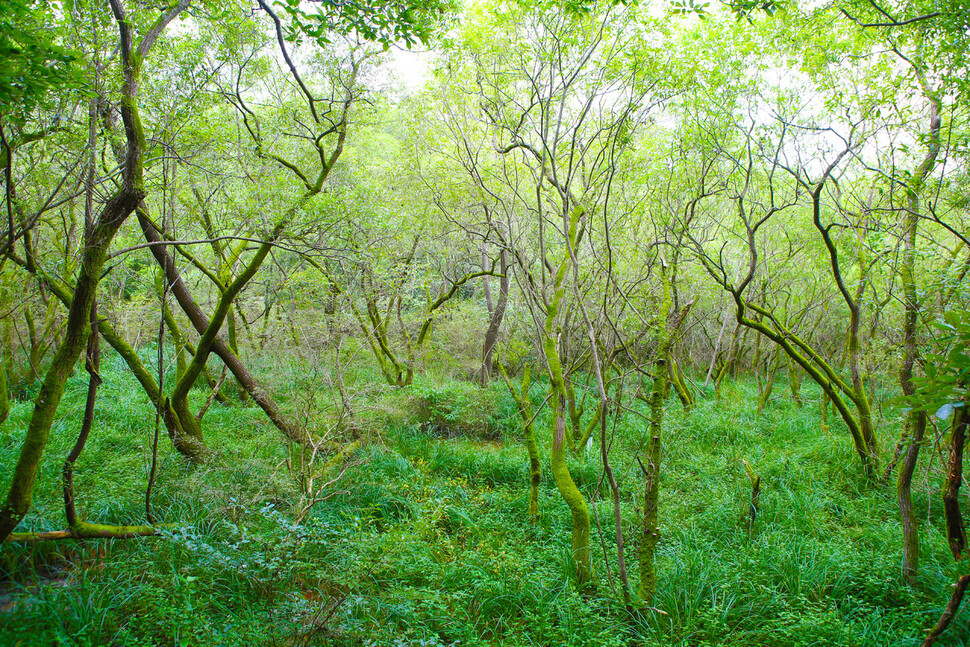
(426, 539)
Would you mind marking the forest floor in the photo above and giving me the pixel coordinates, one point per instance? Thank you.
(423, 536)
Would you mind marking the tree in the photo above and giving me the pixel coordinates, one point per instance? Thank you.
(561, 111)
(98, 238)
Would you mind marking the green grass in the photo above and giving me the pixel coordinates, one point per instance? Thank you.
(426, 541)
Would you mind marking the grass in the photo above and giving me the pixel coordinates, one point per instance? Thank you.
(426, 540)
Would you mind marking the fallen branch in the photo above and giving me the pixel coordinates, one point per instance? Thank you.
(86, 531)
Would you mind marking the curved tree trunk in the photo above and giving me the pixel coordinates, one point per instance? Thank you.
(915, 424)
(582, 557)
(97, 240)
(201, 323)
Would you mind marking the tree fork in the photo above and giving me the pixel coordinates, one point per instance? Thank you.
(127, 353)
(93, 365)
(200, 322)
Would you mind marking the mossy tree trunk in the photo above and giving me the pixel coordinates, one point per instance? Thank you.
(524, 405)
(4, 394)
(762, 319)
(561, 436)
(127, 353)
(667, 323)
(679, 383)
(201, 323)
(191, 443)
(650, 533)
(97, 241)
(915, 421)
(579, 512)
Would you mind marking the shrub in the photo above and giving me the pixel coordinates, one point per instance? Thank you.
(456, 409)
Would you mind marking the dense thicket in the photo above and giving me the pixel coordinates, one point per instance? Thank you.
(596, 205)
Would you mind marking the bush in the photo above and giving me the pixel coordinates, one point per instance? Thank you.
(456, 409)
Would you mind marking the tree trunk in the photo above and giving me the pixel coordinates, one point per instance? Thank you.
(667, 327)
(200, 322)
(950, 612)
(651, 488)
(20, 496)
(191, 443)
(955, 530)
(684, 393)
(581, 554)
(4, 394)
(495, 320)
(95, 252)
(524, 405)
(93, 365)
(915, 424)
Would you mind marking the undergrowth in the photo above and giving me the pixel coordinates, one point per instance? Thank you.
(425, 539)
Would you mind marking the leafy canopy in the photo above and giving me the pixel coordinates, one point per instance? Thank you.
(32, 63)
(380, 21)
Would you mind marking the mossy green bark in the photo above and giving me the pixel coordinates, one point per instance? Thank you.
(915, 421)
(823, 374)
(201, 323)
(574, 499)
(571, 495)
(20, 495)
(97, 239)
(684, 393)
(650, 536)
(191, 443)
(524, 405)
(83, 530)
(4, 395)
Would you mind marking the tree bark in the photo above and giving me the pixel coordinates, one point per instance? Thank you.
(4, 393)
(668, 325)
(191, 444)
(97, 240)
(495, 320)
(950, 612)
(956, 533)
(915, 423)
(574, 499)
(219, 346)
(524, 405)
(93, 365)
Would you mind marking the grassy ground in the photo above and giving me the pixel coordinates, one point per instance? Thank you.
(425, 539)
